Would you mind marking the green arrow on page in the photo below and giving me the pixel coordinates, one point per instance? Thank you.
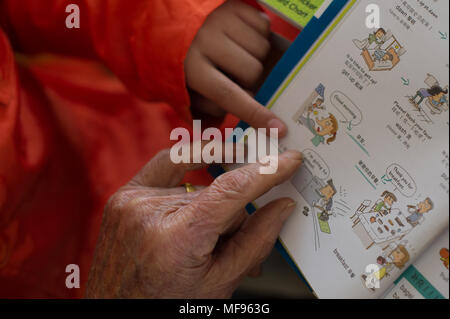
(385, 180)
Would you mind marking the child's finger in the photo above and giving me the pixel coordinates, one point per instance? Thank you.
(248, 38)
(216, 87)
(235, 61)
(254, 18)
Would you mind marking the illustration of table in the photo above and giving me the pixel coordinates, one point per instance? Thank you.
(309, 187)
(376, 228)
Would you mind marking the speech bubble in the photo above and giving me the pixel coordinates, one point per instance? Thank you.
(316, 164)
(401, 180)
(345, 106)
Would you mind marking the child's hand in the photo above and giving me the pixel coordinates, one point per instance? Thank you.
(225, 62)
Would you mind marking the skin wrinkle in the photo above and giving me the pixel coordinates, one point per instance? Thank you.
(230, 280)
(203, 248)
(105, 245)
(184, 245)
(175, 260)
(232, 184)
(203, 225)
(121, 245)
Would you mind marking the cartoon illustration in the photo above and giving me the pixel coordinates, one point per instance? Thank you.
(418, 211)
(382, 224)
(326, 202)
(382, 56)
(435, 97)
(398, 258)
(444, 256)
(318, 105)
(381, 50)
(313, 189)
(323, 128)
(384, 205)
(376, 38)
(319, 196)
(313, 103)
(326, 127)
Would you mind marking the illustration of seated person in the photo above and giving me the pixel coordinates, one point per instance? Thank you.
(325, 203)
(308, 186)
(417, 212)
(382, 56)
(384, 205)
(398, 258)
(436, 98)
(318, 105)
(385, 54)
(376, 39)
(326, 127)
(313, 103)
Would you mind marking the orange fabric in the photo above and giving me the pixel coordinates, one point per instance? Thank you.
(144, 42)
(71, 133)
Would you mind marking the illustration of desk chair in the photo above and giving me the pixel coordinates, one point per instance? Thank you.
(431, 81)
(361, 209)
(421, 114)
(417, 222)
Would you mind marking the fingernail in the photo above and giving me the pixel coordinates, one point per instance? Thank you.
(288, 210)
(276, 123)
(294, 155)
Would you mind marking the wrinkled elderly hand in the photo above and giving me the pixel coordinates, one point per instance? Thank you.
(157, 241)
(225, 62)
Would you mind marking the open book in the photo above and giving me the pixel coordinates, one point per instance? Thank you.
(368, 108)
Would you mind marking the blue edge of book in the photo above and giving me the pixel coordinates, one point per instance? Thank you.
(287, 63)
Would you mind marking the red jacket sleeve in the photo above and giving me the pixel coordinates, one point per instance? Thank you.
(144, 42)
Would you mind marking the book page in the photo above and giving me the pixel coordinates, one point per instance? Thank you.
(427, 278)
(369, 110)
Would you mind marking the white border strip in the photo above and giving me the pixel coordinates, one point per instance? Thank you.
(323, 8)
